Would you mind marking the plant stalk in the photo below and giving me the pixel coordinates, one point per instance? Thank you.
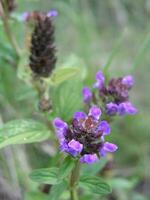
(8, 30)
(74, 180)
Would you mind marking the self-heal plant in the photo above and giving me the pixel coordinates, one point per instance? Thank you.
(113, 97)
(85, 136)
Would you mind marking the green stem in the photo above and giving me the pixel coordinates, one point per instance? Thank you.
(74, 180)
(8, 32)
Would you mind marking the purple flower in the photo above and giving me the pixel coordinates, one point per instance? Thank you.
(87, 94)
(75, 145)
(104, 127)
(108, 147)
(25, 16)
(84, 137)
(95, 112)
(128, 81)
(111, 108)
(79, 115)
(52, 13)
(126, 108)
(89, 158)
(59, 124)
(100, 79)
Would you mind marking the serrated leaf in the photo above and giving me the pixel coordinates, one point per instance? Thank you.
(22, 132)
(57, 190)
(66, 167)
(45, 175)
(95, 185)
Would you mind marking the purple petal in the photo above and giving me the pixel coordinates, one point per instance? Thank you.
(128, 81)
(95, 112)
(75, 145)
(87, 94)
(79, 115)
(59, 124)
(111, 108)
(126, 108)
(65, 148)
(104, 127)
(89, 158)
(63, 145)
(52, 13)
(100, 79)
(109, 147)
(25, 16)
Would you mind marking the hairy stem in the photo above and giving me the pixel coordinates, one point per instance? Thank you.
(7, 29)
(74, 180)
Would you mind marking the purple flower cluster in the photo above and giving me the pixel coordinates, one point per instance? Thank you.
(115, 96)
(85, 137)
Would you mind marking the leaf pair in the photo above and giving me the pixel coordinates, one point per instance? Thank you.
(55, 177)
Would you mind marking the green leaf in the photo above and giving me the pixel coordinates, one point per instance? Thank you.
(72, 67)
(67, 98)
(94, 168)
(122, 183)
(57, 190)
(24, 71)
(22, 132)
(62, 74)
(66, 167)
(95, 185)
(35, 195)
(45, 175)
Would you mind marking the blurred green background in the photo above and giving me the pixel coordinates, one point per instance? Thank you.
(110, 33)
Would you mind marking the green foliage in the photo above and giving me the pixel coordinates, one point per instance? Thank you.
(95, 185)
(22, 132)
(67, 98)
(45, 175)
(35, 195)
(63, 74)
(66, 167)
(122, 183)
(57, 190)
(94, 168)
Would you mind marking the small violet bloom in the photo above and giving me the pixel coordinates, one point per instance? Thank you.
(128, 81)
(87, 95)
(108, 147)
(95, 112)
(52, 13)
(126, 108)
(100, 79)
(75, 145)
(111, 108)
(25, 16)
(84, 137)
(89, 158)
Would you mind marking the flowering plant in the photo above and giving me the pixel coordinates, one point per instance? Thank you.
(78, 138)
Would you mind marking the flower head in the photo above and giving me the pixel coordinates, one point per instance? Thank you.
(100, 79)
(87, 94)
(84, 137)
(128, 81)
(114, 96)
(43, 52)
